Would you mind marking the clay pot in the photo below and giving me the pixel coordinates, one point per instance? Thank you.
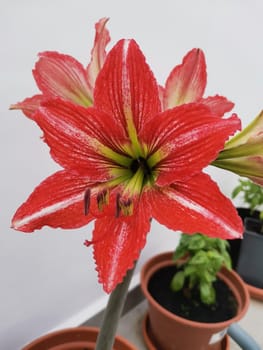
(79, 338)
(255, 293)
(168, 331)
(224, 343)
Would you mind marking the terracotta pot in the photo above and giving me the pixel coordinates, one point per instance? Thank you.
(147, 335)
(171, 332)
(255, 293)
(79, 338)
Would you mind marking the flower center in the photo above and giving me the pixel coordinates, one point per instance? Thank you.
(141, 163)
(130, 177)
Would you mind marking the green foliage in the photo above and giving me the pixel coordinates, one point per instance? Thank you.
(252, 195)
(200, 258)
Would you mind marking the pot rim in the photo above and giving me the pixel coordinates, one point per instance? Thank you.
(93, 331)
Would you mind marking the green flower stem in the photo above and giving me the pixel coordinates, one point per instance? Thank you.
(112, 313)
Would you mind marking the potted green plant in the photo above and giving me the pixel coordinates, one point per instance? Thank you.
(192, 293)
(247, 252)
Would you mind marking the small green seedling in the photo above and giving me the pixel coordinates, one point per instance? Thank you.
(252, 195)
(199, 258)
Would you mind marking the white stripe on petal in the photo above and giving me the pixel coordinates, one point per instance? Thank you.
(204, 212)
(118, 247)
(125, 77)
(47, 211)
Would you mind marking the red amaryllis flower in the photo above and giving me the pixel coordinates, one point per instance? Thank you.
(60, 75)
(125, 162)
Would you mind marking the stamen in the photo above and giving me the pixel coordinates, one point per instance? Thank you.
(102, 199)
(127, 207)
(86, 201)
(118, 208)
(124, 206)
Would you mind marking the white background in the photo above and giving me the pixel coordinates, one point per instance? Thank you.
(48, 277)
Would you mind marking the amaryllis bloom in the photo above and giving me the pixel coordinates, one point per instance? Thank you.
(187, 82)
(243, 154)
(125, 161)
(60, 75)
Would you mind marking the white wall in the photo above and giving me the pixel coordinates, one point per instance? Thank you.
(48, 277)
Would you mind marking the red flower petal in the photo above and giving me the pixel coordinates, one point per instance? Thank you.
(219, 105)
(120, 243)
(75, 134)
(187, 82)
(98, 53)
(57, 202)
(29, 105)
(126, 87)
(197, 206)
(59, 75)
(188, 138)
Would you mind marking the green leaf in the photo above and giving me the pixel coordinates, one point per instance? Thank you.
(179, 253)
(177, 282)
(208, 277)
(189, 270)
(216, 260)
(197, 242)
(236, 191)
(207, 293)
(199, 258)
(252, 194)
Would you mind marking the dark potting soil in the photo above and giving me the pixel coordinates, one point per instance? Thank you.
(192, 309)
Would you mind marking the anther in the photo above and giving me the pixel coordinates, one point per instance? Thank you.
(102, 199)
(118, 208)
(86, 201)
(124, 206)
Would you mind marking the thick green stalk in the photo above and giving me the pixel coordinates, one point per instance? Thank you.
(112, 314)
